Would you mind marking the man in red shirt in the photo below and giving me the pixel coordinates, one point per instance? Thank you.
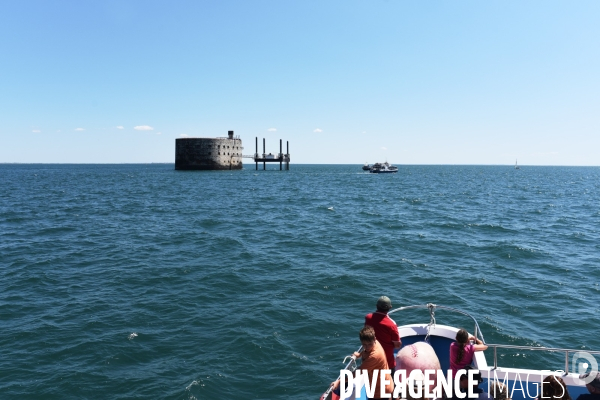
(385, 328)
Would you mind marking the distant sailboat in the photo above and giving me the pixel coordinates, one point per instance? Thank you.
(517, 165)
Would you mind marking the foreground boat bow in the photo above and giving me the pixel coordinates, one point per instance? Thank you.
(522, 383)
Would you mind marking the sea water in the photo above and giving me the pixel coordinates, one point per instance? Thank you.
(139, 281)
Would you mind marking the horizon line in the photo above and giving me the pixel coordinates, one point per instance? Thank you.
(173, 163)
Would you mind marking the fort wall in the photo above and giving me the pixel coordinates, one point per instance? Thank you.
(208, 153)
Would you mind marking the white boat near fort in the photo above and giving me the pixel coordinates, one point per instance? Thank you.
(384, 168)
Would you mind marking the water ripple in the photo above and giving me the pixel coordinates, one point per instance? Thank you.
(123, 281)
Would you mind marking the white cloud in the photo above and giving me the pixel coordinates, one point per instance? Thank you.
(143, 128)
(272, 129)
(183, 135)
(36, 131)
(159, 133)
(79, 129)
(384, 148)
(318, 130)
(120, 127)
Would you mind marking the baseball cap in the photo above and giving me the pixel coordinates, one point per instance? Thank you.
(384, 303)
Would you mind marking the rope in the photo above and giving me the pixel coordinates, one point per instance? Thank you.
(431, 308)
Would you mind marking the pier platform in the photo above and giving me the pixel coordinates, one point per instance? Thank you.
(265, 158)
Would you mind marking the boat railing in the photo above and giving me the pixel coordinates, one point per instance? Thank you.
(567, 352)
(350, 366)
(477, 333)
(432, 307)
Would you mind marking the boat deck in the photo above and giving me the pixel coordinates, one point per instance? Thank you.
(523, 384)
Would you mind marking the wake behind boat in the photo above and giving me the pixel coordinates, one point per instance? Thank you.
(521, 383)
(383, 168)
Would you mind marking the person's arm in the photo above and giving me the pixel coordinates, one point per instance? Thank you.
(396, 340)
(478, 346)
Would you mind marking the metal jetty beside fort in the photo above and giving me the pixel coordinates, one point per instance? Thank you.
(269, 158)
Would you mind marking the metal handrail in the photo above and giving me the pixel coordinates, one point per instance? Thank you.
(548, 349)
(432, 307)
(350, 366)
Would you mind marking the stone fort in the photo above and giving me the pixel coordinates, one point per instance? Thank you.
(221, 153)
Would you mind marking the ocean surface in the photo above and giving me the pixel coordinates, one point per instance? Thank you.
(139, 281)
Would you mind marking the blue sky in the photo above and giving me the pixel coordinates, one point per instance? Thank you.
(411, 82)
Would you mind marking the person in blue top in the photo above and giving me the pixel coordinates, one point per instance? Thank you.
(593, 386)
